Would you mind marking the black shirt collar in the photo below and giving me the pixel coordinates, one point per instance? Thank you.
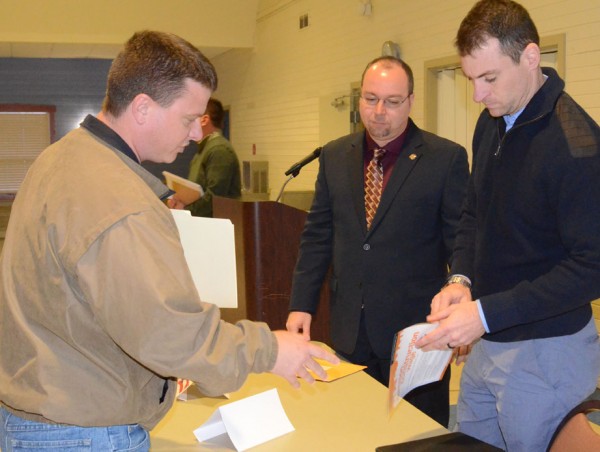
(108, 135)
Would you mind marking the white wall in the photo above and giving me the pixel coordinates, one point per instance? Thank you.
(279, 93)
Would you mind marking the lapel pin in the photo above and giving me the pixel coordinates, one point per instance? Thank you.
(412, 156)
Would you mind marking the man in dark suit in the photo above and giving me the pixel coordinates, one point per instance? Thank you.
(383, 275)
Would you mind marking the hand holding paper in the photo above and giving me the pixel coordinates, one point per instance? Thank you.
(295, 358)
(412, 367)
(334, 372)
(186, 190)
(459, 324)
(175, 203)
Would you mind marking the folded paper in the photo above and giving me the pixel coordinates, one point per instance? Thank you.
(248, 422)
(182, 387)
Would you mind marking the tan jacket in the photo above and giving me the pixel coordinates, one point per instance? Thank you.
(97, 305)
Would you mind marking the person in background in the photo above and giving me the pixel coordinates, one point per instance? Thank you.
(389, 256)
(527, 254)
(99, 314)
(215, 167)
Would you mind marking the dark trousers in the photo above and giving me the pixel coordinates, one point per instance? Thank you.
(433, 399)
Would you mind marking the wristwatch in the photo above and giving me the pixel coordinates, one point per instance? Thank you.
(458, 279)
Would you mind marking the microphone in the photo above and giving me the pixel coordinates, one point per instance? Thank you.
(296, 167)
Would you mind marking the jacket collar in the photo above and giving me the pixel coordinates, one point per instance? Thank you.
(122, 150)
(544, 100)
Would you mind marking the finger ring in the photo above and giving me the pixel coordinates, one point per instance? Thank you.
(450, 346)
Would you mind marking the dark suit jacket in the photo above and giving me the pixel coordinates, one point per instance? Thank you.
(395, 268)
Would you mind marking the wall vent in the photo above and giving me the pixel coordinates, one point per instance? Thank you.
(303, 21)
(255, 176)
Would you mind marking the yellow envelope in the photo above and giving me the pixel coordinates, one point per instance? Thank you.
(336, 371)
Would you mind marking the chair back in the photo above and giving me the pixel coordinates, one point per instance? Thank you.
(574, 433)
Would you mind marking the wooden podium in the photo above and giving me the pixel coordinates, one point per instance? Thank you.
(267, 240)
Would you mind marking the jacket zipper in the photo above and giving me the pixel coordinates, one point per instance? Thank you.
(501, 140)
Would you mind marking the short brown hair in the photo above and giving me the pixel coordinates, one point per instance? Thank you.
(505, 20)
(156, 64)
(215, 111)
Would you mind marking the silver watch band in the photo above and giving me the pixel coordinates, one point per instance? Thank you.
(458, 279)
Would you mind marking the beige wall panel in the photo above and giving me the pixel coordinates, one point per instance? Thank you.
(279, 91)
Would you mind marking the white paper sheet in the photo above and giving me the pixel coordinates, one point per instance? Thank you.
(248, 422)
(209, 247)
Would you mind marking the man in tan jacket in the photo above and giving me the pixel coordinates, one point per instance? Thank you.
(99, 314)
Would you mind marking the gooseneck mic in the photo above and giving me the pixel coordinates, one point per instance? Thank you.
(296, 167)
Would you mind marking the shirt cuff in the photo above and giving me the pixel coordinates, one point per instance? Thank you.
(482, 316)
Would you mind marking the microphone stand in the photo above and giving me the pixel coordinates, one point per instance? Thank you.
(295, 169)
(283, 186)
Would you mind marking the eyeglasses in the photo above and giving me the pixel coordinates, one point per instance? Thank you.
(388, 102)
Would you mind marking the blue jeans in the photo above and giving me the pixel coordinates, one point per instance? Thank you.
(17, 434)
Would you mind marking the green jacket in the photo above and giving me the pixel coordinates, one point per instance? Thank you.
(217, 169)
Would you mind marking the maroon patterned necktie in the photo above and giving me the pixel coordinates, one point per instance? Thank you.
(373, 185)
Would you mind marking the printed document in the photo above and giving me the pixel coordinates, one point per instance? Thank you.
(411, 367)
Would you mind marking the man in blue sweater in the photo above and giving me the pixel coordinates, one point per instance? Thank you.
(528, 241)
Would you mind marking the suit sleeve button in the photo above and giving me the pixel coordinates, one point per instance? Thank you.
(366, 247)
